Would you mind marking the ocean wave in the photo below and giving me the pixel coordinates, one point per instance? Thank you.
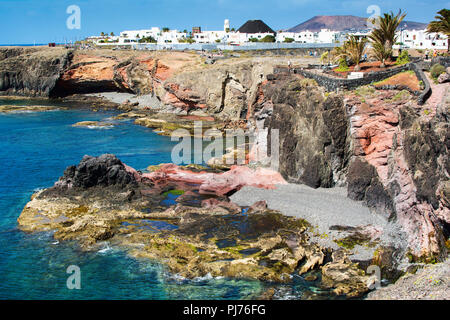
(105, 249)
(180, 279)
(99, 127)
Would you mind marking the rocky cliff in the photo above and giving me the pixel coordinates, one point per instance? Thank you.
(30, 71)
(314, 140)
(180, 81)
(390, 153)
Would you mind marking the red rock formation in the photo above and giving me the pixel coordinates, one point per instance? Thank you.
(140, 74)
(182, 98)
(380, 141)
(219, 184)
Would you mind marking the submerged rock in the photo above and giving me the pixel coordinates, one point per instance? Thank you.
(14, 108)
(92, 124)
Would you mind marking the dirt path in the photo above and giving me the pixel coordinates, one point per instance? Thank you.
(437, 97)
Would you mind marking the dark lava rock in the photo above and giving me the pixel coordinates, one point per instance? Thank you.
(103, 171)
(31, 71)
(314, 142)
(423, 148)
(364, 185)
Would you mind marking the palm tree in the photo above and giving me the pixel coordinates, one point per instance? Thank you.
(380, 52)
(384, 36)
(353, 49)
(356, 47)
(441, 25)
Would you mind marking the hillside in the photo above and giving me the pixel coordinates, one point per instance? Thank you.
(342, 23)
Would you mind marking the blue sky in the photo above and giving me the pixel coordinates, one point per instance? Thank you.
(26, 21)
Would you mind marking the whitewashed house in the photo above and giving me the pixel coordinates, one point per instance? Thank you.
(327, 36)
(306, 37)
(133, 36)
(210, 37)
(420, 39)
(171, 36)
(237, 38)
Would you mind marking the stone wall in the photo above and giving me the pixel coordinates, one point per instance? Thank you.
(426, 93)
(334, 84)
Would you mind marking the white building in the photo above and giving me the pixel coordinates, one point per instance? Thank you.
(211, 37)
(133, 36)
(130, 37)
(420, 39)
(324, 36)
(237, 38)
(171, 36)
(327, 36)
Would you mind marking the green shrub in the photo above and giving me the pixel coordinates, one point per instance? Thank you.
(324, 57)
(403, 58)
(365, 91)
(305, 83)
(343, 66)
(268, 38)
(437, 70)
(149, 39)
(402, 95)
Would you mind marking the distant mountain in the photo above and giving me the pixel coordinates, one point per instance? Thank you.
(344, 23)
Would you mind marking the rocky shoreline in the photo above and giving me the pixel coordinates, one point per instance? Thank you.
(379, 146)
(204, 233)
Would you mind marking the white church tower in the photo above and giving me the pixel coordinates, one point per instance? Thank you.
(226, 25)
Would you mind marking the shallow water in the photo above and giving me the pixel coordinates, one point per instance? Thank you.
(35, 148)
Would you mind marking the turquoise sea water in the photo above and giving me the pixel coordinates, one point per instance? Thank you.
(35, 148)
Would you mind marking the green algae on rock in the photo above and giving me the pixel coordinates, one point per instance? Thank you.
(15, 108)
